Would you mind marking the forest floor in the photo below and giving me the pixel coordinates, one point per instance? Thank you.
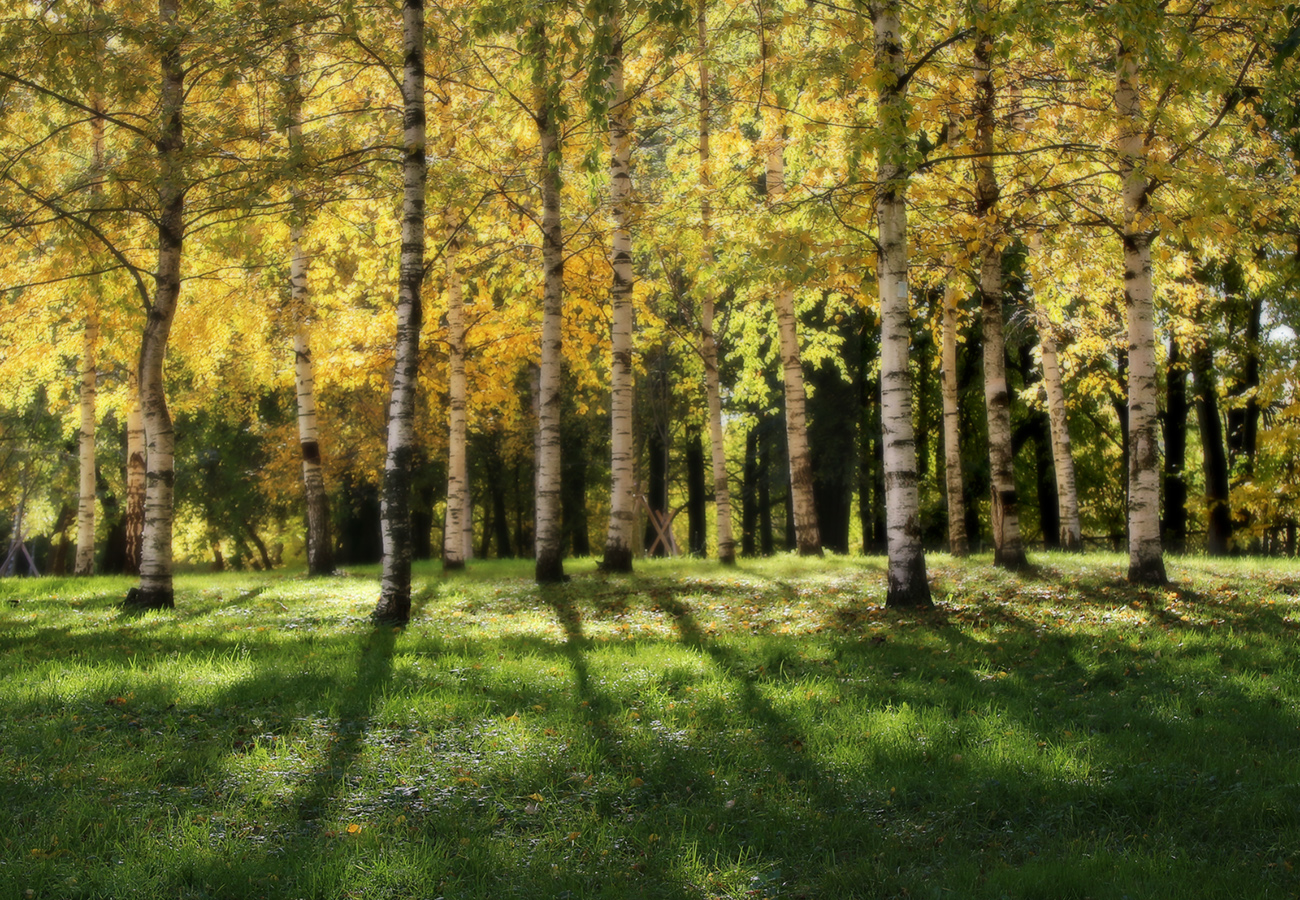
(767, 731)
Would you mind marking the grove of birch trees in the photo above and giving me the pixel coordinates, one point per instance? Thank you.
(357, 283)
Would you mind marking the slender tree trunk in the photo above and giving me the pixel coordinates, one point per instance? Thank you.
(1008, 548)
(908, 585)
(85, 563)
(957, 542)
(709, 344)
(807, 537)
(696, 499)
(622, 514)
(1146, 556)
(395, 582)
(458, 532)
(1062, 457)
(136, 476)
(320, 548)
(155, 590)
(549, 567)
(1176, 409)
(749, 488)
(1214, 456)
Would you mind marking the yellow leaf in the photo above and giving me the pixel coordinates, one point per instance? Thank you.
(354, 828)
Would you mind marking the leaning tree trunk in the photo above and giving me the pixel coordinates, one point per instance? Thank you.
(136, 475)
(908, 586)
(320, 555)
(622, 513)
(958, 543)
(709, 344)
(549, 564)
(395, 583)
(1008, 548)
(1146, 557)
(807, 537)
(155, 590)
(458, 530)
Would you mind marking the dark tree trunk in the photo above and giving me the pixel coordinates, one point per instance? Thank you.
(697, 494)
(1049, 508)
(657, 493)
(749, 494)
(1175, 428)
(765, 542)
(573, 491)
(1214, 456)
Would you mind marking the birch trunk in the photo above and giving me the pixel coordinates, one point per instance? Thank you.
(958, 544)
(549, 566)
(458, 530)
(1146, 558)
(1067, 493)
(908, 586)
(1008, 548)
(85, 564)
(808, 540)
(136, 474)
(155, 590)
(395, 512)
(709, 344)
(320, 557)
(622, 518)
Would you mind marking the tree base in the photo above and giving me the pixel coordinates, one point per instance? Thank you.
(1013, 559)
(1150, 573)
(453, 565)
(617, 561)
(550, 569)
(727, 559)
(912, 591)
(392, 609)
(138, 598)
(810, 549)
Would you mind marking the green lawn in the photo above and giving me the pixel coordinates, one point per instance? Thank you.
(764, 732)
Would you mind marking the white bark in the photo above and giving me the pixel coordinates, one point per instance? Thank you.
(395, 514)
(1008, 548)
(549, 566)
(136, 474)
(958, 543)
(155, 590)
(1146, 557)
(458, 529)
(908, 586)
(621, 536)
(320, 557)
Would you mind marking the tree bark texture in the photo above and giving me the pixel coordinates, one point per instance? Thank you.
(136, 476)
(549, 566)
(621, 534)
(320, 546)
(908, 584)
(957, 541)
(1008, 548)
(708, 340)
(458, 532)
(395, 581)
(155, 590)
(807, 537)
(1146, 556)
(1062, 455)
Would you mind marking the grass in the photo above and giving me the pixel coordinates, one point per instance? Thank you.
(689, 732)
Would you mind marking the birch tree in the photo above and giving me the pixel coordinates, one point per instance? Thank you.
(622, 519)
(395, 582)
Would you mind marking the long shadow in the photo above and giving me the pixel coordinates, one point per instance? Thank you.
(374, 673)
